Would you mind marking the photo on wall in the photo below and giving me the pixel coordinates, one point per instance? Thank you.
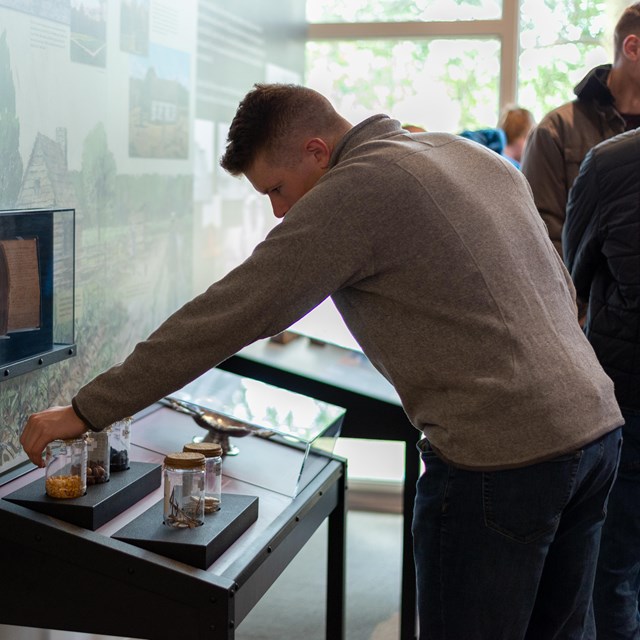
(88, 38)
(159, 104)
(134, 26)
(56, 10)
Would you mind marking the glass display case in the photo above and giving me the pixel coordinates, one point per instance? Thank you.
(244, 414)
(37, 289)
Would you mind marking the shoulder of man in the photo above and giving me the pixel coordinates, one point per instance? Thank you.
(622, 152)
(591, 95)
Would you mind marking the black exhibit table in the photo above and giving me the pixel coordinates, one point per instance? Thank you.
(59, 575)
(346, 378)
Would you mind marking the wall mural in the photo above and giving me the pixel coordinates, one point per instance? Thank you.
(119, 110)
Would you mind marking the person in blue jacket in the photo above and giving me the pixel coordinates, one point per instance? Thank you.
(492, 138)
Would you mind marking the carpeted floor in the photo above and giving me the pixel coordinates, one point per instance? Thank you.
(293, 609)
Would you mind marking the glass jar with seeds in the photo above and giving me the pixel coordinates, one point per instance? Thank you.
(98, 457)
(212, 452)
(120, 442)
(66, 468)
(184, 478)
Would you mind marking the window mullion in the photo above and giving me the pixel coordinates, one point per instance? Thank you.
(403, 30)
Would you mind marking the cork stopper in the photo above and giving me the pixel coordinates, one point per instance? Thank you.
(207, 449)
(184, 460)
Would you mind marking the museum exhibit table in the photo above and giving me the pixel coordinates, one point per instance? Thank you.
(344, 376)
(107, 577)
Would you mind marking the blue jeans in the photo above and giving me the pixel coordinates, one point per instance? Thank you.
(615, 595)
(511, 555)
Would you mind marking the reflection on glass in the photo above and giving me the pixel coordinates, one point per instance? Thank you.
(439, 84)
(258, 404)
(402, 10)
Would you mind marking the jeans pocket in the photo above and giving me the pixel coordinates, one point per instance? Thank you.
(525, 504)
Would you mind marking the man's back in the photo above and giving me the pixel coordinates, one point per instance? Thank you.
(466, 305)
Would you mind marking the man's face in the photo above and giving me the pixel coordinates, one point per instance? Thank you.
(285, 185)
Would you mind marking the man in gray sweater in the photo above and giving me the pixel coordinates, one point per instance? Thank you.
(433, 252)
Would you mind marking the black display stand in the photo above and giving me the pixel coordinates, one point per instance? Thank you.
(101, 503)
(55, 564)
(346, 378)
(199, 546)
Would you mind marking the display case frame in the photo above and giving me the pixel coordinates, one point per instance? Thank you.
(37, 255)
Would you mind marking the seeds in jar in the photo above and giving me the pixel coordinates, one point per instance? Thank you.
(96, 473)
(211, 504)
(64, 486)
(119, 460)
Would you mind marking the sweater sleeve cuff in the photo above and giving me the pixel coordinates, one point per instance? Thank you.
(80, 415)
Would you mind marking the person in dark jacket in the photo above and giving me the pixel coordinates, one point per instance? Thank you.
(601, 239)
(607, 103)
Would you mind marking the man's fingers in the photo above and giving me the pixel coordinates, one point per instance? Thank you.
(44, 427)
(33, 440)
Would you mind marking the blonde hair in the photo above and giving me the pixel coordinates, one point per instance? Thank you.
(516, 122)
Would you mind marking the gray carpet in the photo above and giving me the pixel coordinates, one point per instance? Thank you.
(293, 608)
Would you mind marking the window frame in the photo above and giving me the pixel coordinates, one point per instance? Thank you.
(506, 30)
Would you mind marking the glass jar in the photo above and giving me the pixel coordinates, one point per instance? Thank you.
(120, 443)
(98, 456)
(212, 452)
(66, 472)
(184, 476)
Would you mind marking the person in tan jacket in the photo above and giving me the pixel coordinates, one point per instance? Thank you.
(607, 103)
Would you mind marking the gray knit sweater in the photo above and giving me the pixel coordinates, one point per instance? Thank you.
(441, 267)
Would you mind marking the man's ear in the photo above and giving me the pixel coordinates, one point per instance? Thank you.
(320, 151)
(631, 47)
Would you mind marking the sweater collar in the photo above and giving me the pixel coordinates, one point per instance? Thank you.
(376, 126)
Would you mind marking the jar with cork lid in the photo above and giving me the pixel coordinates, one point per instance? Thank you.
(66, 468)
(184, 479)
(212, 452)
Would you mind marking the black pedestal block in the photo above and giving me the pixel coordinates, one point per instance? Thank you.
(101, 503)
(200, 546)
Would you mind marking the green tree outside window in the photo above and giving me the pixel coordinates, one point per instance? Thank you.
(560, 40)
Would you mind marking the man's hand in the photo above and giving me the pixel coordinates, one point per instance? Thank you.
(46, 426)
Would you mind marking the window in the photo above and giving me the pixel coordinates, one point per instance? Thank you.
(401, 10)
(560, 41)
(452, 64)
(440, 84)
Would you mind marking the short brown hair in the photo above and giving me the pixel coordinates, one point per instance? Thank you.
(270, 117)
(628, 24)
(516, 122)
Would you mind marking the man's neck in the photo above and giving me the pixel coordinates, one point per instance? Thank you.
(625, 90)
